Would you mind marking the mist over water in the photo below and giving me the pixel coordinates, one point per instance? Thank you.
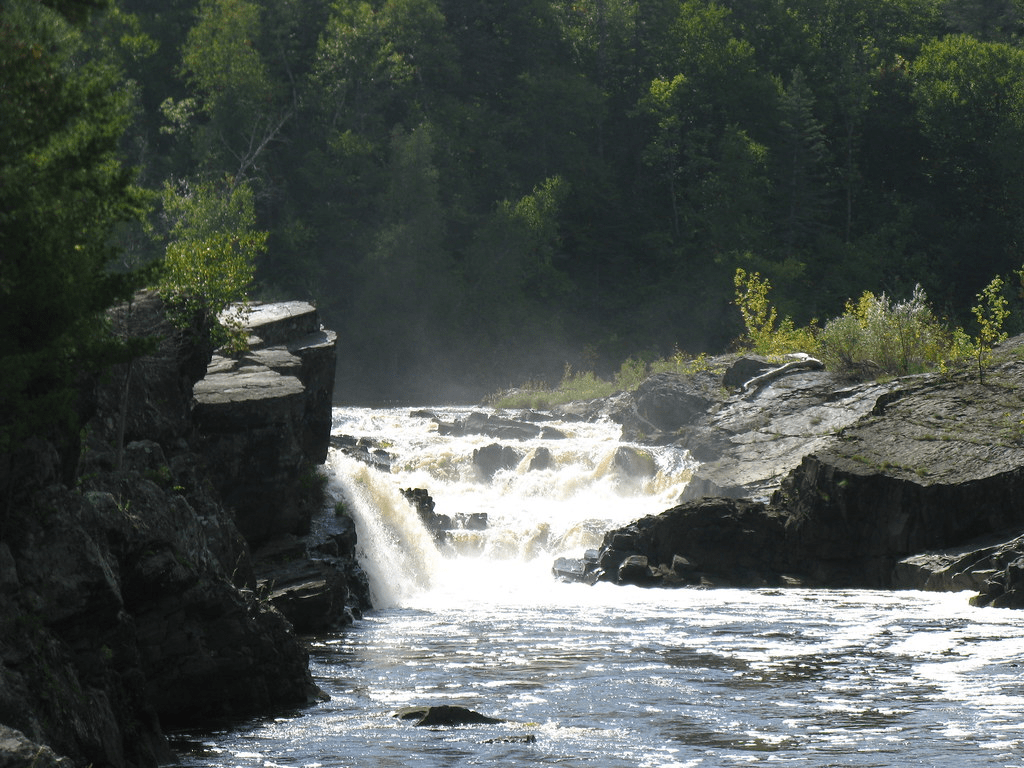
(617, 676)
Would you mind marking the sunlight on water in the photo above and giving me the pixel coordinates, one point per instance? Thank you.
(533, 515)
(617, 677)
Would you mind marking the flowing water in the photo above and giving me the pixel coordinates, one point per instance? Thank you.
(609, 676)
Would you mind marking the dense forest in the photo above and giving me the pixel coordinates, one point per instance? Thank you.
(476, 193)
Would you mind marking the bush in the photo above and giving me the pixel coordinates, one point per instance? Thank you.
(883, 336)
(766, 334)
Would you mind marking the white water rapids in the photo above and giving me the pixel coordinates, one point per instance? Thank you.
(610, 676)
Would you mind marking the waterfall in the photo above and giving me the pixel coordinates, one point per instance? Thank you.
(533, 514)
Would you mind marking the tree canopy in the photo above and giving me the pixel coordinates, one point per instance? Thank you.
(477, 193)
(63, 189)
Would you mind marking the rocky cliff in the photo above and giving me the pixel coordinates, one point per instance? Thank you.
(912, 483)
(130, 601)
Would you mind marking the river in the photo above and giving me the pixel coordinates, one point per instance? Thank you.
(611, 676)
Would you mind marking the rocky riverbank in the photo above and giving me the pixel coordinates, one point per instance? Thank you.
(160, 576)
(915, 483)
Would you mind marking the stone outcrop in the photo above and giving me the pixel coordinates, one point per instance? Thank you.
(265, 418)
(710, 542)
(938, 462)
(913, 483)
(129, 601)
(318, 586)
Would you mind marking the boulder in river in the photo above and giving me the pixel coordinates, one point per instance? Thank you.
(444, 715)
(495, 457)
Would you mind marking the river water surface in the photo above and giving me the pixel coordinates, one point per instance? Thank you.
(611, 676)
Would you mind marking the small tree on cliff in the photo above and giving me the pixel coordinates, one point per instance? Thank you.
(991, 313)
(211, 250)
(766, 334)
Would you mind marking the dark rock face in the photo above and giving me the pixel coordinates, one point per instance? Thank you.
(265, 418)
(128, 601)
(721, 541)
(317, 591)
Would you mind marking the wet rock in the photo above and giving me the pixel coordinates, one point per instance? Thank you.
(317, 590)
(441, 525)
(444, 715)
(635, 570)
(569, 569)
(363, 449)
(17, 751)
(529, 738)
(474, 521)
(491, 425)
(540, 459)
(499, 427)
(1003, 587)
(495, 457)
(736, 541)
(634, 463)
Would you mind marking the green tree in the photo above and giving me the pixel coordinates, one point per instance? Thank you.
(245, 108)
(803, 169)
(970, 108)
(211, 246)
(406, 274)
(63, 189)
(990, 313)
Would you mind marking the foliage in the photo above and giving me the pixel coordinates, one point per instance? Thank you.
(63, 189)
(469, 190)
(990, 313)
(767, 335)
(886, 337)
(586, 385)
(211, 250)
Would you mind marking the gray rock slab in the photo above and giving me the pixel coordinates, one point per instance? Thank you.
(248, 384)
(751, 442)
(283, 321)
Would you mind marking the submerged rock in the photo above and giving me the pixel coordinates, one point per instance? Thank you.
(444, 715)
